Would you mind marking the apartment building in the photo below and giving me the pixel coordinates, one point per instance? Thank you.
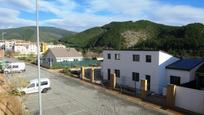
(131, 67)
(25, 47)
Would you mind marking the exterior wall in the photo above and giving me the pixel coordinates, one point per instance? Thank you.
(44, 47)
(26, 49)
(164, 60)
(56, 46)
(9, 45)
(186, 76)
(48, 59)
(62, 59)
(126, 65)
(190, 99)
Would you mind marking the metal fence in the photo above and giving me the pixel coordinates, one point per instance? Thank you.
(76, 63)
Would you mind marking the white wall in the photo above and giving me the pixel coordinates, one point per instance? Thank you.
(184, 75)
(190, 99)
(127, 66)
(26, 49)
(164, 60)
(61, 59)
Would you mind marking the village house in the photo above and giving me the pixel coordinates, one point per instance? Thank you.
(183, 71)
(25, 47)
(54, 55)
(131, 67)
(46, 46)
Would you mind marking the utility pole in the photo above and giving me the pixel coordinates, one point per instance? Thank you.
(38, 59)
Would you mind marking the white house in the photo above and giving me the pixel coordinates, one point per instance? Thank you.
(23, 47)
(182, 71)
(56, 46)
(8, 45)
(61, 55)
(132, 66)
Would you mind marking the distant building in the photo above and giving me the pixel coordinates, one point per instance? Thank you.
(183, 71)
(54, 55)
(43, 47)
(9, 45)
(25, 47)
(56, 46)
(132, 66)
(46, 46)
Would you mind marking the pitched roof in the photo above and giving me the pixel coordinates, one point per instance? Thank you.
(185, 64)
(65, 52)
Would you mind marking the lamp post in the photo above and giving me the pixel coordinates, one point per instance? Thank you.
(38, 59)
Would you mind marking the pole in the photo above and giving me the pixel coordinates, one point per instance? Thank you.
(38, 59)
(2, 35)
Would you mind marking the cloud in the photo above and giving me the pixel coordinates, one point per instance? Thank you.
(78, 16)
(178, 15)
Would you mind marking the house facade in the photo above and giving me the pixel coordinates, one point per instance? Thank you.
(132, 66)
(54, 55)
(24, 47)
(183, 71)
(46, 46)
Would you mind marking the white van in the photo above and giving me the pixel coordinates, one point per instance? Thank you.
(33, 86)
(14, 67)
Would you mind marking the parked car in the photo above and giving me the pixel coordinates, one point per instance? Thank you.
(33, 86)
(14, 67)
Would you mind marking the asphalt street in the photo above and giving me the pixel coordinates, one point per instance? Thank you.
(72, 97)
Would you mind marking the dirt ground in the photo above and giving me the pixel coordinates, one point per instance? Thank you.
(9, 104)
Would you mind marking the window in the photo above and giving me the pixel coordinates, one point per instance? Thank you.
(15, 66)
(135, 76)
(109, 56)
(136, 57)
(117, 56)
(175, 80)
(109, 73)
(44, 83)
(148, 58)
(31, 85)
(117, 73)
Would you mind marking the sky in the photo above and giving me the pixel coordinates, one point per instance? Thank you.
(79, 15)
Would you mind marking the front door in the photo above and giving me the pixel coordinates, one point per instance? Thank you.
(109, 74)
(148, 78)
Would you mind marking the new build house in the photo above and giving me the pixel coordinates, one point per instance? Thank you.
(132, 66)
(182, 71)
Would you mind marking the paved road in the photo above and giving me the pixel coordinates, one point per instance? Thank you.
(71, 97)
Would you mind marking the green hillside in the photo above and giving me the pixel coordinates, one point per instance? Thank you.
(146, 35)
(48, 34)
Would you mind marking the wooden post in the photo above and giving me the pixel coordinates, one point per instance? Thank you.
(170, 96)
(82, 73)
(113, 81)
(92, 74)
(143, 89)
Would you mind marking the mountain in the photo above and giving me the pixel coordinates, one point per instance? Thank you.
(47, 34)
(185, 40)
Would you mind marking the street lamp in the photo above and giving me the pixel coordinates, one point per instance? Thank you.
(38, 59)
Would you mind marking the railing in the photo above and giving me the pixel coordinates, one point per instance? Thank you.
(76, 63)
